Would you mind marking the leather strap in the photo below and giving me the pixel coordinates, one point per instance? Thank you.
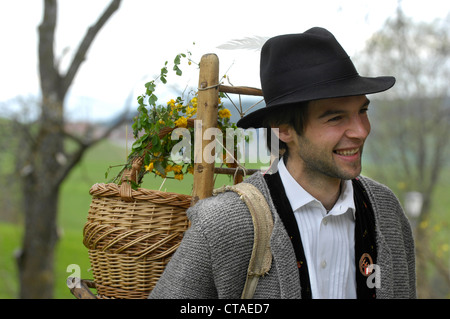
(261, 259)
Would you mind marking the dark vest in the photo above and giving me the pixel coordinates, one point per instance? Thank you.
(365, 244)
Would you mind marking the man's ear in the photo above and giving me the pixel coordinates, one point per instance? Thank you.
(284, 132)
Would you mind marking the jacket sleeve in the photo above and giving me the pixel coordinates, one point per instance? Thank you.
(404, 246)
(410, 253)
(188, 275)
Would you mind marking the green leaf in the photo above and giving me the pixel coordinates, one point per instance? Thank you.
(152, 99)
(139, 124)
(150, 86)
(137, 144)
(156, 143)
(158, 166)
(140, 100)
(107, 172)
(147, 159)
(177, 69)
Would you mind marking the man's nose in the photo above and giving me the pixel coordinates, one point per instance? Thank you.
(359, 127)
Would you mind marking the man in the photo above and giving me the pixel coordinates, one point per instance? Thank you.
(336, 234)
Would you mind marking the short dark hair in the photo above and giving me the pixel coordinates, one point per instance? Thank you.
(294, 115)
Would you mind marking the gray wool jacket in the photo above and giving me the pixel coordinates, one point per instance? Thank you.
(213, 257)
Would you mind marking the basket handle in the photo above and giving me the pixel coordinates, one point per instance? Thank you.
(130, 175)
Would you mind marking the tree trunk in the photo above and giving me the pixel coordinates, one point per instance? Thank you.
(42, 161)
(36, 261)
(40, 186)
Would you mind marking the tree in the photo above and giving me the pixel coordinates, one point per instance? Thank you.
(43, 161)
(410, 140)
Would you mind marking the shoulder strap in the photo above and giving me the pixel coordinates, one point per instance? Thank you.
(261, 259)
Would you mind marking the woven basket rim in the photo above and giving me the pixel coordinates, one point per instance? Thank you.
(113, 190)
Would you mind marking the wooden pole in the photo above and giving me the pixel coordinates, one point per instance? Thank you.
(245, 90)
(207, 109)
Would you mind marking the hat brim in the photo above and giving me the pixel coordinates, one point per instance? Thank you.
(347, 87)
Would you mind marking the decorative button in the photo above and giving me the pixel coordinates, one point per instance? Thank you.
(323, 264)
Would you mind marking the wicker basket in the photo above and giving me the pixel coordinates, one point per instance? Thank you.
(131, 234)
(130, 243)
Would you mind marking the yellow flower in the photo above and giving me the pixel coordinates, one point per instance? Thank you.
(190, 111)
(168, 168)
(194, 101)
(149, 167)
(161, 122)
(181, 122)
(179, 177)
(171, 103)
(177, 168)
(225, 113)
(190, 170)
(159, 174)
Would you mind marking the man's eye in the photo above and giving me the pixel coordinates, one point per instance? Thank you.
(335, 119)
(363, 111)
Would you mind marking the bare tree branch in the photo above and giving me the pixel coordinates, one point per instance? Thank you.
(47, 70)
(92, 32)
(76, 156)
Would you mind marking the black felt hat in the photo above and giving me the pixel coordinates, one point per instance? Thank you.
(308, 66)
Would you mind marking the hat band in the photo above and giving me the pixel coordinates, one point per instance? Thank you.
(316, 75)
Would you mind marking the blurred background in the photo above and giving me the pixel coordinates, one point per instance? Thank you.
(70, 73)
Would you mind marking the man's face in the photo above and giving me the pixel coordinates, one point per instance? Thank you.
(333, 139)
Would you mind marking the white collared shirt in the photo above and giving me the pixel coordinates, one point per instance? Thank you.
(328, 239)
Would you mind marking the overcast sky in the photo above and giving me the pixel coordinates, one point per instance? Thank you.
(143, 34)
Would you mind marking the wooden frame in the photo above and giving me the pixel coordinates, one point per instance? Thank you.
(208, 101)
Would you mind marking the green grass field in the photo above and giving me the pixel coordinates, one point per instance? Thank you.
(74, 206)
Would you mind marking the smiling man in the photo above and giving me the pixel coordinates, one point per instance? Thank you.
(330, 148)
(335, 234)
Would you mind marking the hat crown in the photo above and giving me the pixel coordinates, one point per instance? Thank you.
(295, 50)
(294, 62)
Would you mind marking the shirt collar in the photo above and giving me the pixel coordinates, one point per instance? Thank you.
(299, 197)
(295, 193)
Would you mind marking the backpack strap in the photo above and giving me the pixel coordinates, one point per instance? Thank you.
(261, 259)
